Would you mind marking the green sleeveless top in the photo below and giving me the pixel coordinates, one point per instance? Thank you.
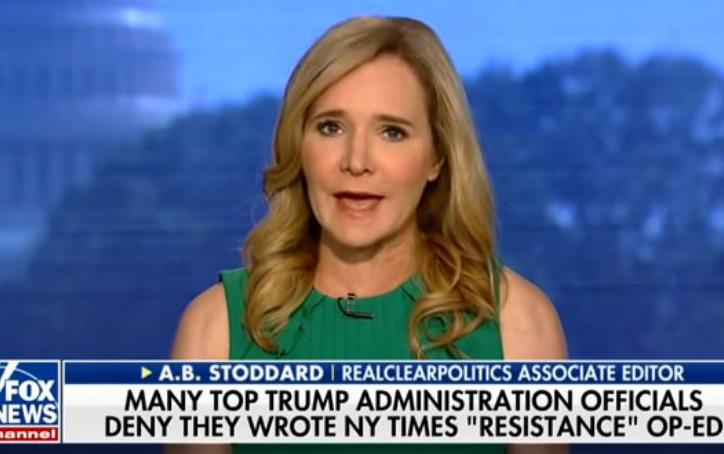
(319, 330)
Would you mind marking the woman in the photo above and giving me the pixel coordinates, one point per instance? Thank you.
(379, 241)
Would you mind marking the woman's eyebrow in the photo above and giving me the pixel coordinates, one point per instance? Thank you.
(394, 119)
(329, 113)
(381, 117)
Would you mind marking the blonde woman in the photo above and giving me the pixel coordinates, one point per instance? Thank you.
(379, 240)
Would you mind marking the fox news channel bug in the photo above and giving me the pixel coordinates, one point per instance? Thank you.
(30, 401)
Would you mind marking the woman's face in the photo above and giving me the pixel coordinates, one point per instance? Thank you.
(367, 154)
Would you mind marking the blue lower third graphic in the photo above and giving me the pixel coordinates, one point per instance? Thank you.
(29, 401)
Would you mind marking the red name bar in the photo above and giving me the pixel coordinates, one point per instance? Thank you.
(28, 434)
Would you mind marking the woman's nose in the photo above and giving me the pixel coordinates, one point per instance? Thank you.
(357, 156)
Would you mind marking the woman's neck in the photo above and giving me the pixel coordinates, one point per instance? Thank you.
(366, 271)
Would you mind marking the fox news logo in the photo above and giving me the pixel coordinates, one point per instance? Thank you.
(29, 404)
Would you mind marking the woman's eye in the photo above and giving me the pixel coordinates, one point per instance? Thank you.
(328, 128)
(394, 133)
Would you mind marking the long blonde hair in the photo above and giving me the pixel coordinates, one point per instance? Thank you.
(455, 215)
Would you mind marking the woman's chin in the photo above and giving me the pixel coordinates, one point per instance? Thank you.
(356, 240)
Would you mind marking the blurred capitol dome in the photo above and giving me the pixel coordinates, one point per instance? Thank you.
(78, 78)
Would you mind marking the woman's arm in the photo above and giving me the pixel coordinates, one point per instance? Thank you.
(529, 324)
(203, 333)
(530, 330)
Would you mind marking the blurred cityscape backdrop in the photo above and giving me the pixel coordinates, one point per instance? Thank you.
(133, 134)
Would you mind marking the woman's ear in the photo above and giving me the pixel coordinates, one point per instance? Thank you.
(435, 170)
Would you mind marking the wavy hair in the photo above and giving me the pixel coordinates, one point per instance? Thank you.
(455, 215)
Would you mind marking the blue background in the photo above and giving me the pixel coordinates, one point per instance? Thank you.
(603, 126)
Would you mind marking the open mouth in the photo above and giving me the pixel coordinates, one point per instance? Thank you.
(357, 202)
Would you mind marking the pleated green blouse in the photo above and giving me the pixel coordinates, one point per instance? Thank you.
(318, 329)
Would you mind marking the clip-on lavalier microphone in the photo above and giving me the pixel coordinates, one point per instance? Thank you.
(346, 306)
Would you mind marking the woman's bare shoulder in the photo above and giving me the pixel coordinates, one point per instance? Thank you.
(203, 332)
(529, 323)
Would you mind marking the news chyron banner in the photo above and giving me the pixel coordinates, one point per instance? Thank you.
(392, 402)
(29, 402)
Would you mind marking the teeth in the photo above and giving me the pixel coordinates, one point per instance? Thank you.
(359, 204)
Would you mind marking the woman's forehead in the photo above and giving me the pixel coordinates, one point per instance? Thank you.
(386, 85)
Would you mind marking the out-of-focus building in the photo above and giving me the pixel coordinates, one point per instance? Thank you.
(78, 79)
